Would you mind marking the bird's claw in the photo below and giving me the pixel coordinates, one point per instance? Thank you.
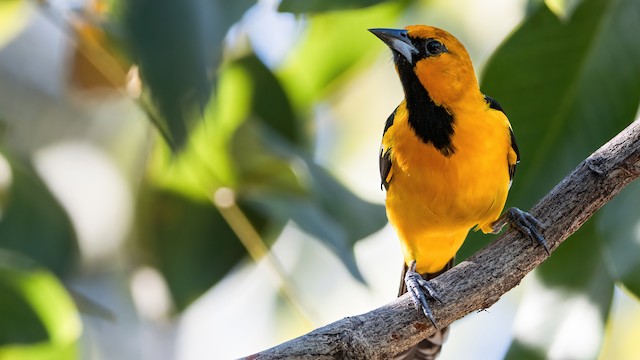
(528, 225)
(420, 290)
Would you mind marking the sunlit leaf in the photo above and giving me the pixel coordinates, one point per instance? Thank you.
(264, 162)
(619, 226)
(33, 222)
(206, 164)
(562, 8)
(13, 17)
(39, 319)
(314, 6)
(333, 44)
(177, 45)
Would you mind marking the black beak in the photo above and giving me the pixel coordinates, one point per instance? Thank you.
(398, 40)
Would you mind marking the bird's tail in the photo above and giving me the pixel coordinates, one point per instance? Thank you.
(429, 348)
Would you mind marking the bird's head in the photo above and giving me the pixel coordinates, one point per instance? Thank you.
(435, 57)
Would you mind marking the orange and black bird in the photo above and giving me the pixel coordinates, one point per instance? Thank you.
(447, 160)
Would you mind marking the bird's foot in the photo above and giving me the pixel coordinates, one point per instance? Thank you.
(524, 222)
(420, 290)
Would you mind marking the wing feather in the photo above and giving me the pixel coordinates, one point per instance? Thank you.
(385, 155)
(493, 104)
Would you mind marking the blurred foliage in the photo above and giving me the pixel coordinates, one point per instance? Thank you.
(178, 47)
(34, 224)
(317, 6)
(323, 57)
(568, 95)
(39, 319)
(254, 140)
(250, 145)
(192, 245)
(567, 78)
(12, 19)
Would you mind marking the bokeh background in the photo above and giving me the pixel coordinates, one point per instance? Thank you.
(198, 179)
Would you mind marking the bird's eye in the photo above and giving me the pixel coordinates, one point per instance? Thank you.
(435, 47)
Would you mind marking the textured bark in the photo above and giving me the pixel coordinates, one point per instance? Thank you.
(478, 282)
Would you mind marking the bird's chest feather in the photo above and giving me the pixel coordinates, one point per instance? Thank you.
(464, 188)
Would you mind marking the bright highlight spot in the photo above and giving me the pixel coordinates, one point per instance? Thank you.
(150, 293)
(94, 193)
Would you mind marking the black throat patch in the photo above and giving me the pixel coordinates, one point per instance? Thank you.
(431, 123)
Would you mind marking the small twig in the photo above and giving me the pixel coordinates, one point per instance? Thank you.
(224, 200)
(480, 281)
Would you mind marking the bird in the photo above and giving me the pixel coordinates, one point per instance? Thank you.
(447, 161)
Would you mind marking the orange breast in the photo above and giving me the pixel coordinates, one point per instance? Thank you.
(434, 200)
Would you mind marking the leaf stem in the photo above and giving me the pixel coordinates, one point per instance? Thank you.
(224, 200)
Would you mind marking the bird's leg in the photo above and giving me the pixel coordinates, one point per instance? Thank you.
(420, 290)
(524, 222)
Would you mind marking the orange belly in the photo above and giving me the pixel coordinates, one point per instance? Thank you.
(433, 201)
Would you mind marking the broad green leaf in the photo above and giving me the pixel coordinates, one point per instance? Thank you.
(206, 164)
(315, 6)
(246, 88)
(619, 228)
(333, 44)
(311, 219)
(567, 87)
(252, 142)
(39, 319)
(265, 161)
(564, 309)
(177, 199)
(189, 241)
(34, 224)
(566, 96)
(317, 203)
(270, 103)
(178, 46)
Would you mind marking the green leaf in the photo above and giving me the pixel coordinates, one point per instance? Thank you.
(564, 310)
(34, 224)
(619, 226)
(567, 87)
(565, 96)
(333, 44)
(206, 164)
(290, 185)
(270, 102)
(190, 243)
(39, 319)
(178, 46)
(315, 6)
(252, 142)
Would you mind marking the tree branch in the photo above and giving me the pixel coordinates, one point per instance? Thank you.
(478, 282)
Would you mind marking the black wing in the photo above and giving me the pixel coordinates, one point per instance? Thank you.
(514, 145)
(385, 167)
(385, 155)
